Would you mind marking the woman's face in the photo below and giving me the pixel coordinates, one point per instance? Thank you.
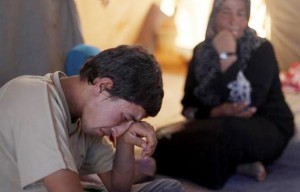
(232, 16)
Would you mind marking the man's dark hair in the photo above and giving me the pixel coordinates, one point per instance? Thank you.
(135, 73)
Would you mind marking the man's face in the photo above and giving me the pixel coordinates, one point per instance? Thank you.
(110, 116)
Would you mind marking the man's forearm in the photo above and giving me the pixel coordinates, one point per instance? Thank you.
(63, 180)
(123, 168)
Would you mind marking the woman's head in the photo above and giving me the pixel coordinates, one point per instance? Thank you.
(231, 15)
(135, 73)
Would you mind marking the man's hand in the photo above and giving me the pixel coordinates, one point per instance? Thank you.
(233, 109)
(141, 134)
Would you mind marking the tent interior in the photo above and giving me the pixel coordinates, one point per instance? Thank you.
(169, 29)
(176, 26)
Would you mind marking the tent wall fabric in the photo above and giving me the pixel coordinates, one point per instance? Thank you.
(119, 22)
(285, 30)
(35, 36)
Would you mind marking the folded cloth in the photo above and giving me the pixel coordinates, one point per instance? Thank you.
(290, 80)
(92, 183)
(77, 56)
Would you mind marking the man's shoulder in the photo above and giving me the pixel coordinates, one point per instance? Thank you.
(28, 89)
(29, 81)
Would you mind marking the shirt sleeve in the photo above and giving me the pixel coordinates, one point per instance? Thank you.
(99, 156)
(41, 139)
(262, 72)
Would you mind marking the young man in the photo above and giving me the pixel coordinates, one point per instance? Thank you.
(53, 127)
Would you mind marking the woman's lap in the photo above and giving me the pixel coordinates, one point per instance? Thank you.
(208, 151)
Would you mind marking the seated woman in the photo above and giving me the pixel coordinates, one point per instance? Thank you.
(238, 119)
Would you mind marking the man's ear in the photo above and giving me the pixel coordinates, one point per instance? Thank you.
(101, 84)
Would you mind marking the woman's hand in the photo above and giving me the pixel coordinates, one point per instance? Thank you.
(233, 109)
(224, 42)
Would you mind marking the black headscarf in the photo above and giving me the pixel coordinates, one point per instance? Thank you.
(209, 64)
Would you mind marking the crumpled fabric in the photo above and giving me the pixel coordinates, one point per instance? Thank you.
(290, 79)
